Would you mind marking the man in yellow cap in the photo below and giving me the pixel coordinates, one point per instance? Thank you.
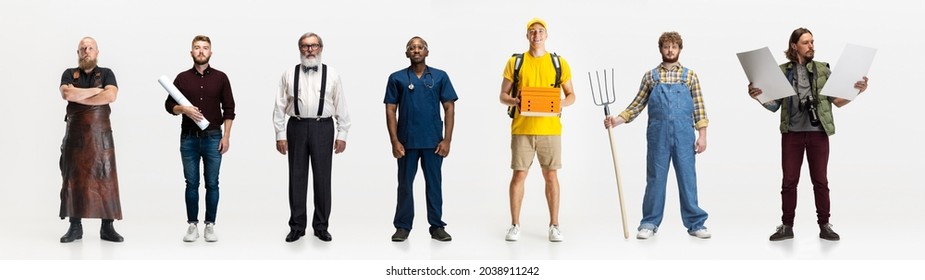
(538, 136)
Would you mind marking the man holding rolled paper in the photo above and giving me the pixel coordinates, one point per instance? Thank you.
(806, 123)
(536, 136)
(211, 104)
(672, 93)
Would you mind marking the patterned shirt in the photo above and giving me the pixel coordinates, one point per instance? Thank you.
(672, 75)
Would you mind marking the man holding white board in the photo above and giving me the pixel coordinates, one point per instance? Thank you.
(806, 124)
(209, 92)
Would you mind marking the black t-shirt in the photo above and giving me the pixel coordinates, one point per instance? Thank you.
(85, 80)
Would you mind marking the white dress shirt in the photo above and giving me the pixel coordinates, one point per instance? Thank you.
(335, 103)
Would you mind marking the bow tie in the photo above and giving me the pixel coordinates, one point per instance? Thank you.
(313, 68)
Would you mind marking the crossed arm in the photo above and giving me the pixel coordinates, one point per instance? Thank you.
(89, 96)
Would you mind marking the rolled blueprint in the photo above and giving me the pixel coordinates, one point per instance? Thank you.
(179, 98)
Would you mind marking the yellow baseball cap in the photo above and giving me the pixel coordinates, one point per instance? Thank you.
(534, 21)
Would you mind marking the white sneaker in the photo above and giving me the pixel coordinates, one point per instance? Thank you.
(192, 233)
(209, 233)
(513, 233)
(701, 233)
(554, 234)
(645, 233)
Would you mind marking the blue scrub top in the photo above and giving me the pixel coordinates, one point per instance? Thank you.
(419, 123)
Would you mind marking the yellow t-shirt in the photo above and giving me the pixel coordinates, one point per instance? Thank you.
(537, 72)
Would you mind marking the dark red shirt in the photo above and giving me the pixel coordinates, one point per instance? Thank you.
(210, 92)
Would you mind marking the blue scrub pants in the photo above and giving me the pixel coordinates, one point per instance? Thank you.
(431, 163)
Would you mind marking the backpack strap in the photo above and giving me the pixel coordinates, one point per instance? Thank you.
(556, 63)
(518, 62)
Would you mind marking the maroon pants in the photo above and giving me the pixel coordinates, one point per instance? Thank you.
(816, 147)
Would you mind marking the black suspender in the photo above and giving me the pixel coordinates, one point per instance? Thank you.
(324, 78)
(295, 90)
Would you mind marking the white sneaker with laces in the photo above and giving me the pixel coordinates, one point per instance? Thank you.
(554, 234)
(513, 233)
(701, 233)
(192, 233)
(645, 233)
(209, 233)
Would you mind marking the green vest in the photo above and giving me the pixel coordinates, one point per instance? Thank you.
(823, 105)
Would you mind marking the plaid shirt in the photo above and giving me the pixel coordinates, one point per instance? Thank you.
(668, 76)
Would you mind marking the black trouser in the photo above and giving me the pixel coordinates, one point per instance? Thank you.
(310, 141)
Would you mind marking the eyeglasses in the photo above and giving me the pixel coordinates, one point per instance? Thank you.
(416, 47)
(309, 46)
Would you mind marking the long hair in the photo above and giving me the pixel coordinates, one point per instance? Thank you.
(794, 38)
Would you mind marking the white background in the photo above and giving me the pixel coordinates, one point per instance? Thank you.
(873, 170)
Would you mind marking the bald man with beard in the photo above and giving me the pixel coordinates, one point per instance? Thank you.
(90, 186)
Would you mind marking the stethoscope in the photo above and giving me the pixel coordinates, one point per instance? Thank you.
(423, 78)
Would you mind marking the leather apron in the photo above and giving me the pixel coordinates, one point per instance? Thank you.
(90, 186)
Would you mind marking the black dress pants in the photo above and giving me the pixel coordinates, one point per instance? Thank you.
(311, 141)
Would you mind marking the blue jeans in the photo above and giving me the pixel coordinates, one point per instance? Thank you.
(193, 147)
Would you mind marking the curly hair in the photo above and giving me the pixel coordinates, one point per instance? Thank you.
(670, 37)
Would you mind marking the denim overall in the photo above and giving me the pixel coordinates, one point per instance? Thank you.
(670, 137)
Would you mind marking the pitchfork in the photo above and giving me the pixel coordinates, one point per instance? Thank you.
(605, 98)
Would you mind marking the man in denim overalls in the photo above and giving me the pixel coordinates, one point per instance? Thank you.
(672, 93)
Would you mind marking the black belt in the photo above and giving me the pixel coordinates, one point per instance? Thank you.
(201, 133)
(297, 119)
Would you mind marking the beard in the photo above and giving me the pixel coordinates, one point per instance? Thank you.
(86, 63)
(311, 62)
(809, 56)
(670, 60)
(201, 61)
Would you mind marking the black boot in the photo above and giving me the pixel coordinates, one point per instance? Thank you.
(783, 232)
(74, 232)
(108, 233)
(826, 232)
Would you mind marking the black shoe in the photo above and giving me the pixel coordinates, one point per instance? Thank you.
(74, 232)
(324, 235)
(108, 233)
(826, 232)
(783, 232)
(439, 233)
(294, 235)
(400, 235)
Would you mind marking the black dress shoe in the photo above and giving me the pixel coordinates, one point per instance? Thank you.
(826, 232)
(108, 233)
(294, 235)
(400, 235)
(324, 235)
(439, 233)
(74, 232)
(783, 232)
